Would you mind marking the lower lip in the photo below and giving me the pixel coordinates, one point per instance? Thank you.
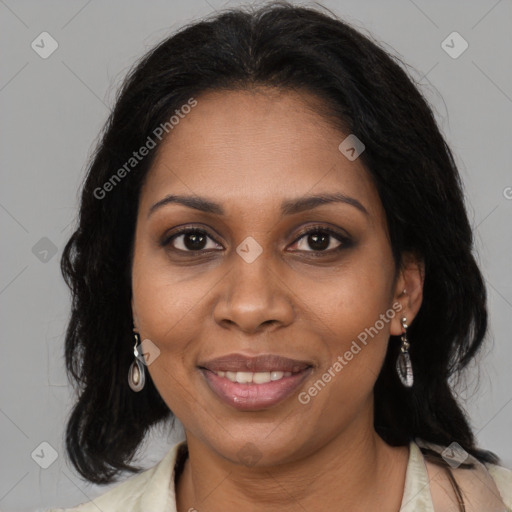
(254, 397)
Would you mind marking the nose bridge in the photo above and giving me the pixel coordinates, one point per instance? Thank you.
(252, 294)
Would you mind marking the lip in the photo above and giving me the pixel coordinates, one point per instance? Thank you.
(261, 363)
(251, 396)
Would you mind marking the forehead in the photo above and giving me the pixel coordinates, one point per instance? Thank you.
(258, 146)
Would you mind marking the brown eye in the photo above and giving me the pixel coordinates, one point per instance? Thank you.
(192, 240)
(321, 240)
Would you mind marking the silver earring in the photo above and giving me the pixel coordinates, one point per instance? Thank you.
(403, 363)
(136, 373)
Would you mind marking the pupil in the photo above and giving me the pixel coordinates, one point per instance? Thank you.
(194, 241)
(318, 241)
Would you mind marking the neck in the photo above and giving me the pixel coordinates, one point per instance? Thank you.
(355, 471)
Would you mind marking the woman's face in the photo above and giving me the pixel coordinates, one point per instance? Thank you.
(271, 283)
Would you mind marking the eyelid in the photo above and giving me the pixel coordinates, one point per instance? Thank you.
(183, 230)
(340, 235)
(314, 228)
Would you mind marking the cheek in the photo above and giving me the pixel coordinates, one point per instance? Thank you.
(173, 313)
(165, 302)
(354, 310)
(166, 317)
(356, 348)
(352, 298)
(357, 344)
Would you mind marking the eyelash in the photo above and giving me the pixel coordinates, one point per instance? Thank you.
(345, 241)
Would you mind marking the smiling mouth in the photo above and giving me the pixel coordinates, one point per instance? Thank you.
(254, 383)
(253, 377)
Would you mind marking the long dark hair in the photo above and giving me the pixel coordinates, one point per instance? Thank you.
(366, 92)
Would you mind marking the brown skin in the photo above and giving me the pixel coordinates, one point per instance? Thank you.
(249, 151)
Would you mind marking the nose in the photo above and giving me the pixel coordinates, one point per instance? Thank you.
(253, 298)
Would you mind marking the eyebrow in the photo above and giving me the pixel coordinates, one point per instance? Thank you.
(309, 202)
(288, 207)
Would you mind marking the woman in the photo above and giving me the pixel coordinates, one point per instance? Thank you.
(273, 248)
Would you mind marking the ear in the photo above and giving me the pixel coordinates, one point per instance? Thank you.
(408, 292)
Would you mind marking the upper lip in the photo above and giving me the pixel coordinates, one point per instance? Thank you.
(261, 363)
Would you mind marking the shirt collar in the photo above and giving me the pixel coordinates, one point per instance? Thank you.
(417, 497)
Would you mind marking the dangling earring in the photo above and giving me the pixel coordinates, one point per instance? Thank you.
(403, 363)
(136, 375)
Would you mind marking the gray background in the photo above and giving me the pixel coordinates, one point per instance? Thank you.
(52, 111)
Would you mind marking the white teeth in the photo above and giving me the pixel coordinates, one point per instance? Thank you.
(261, 377)
(243, 377)
(253, 377)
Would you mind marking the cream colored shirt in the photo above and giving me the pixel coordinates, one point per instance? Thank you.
(487, 488)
